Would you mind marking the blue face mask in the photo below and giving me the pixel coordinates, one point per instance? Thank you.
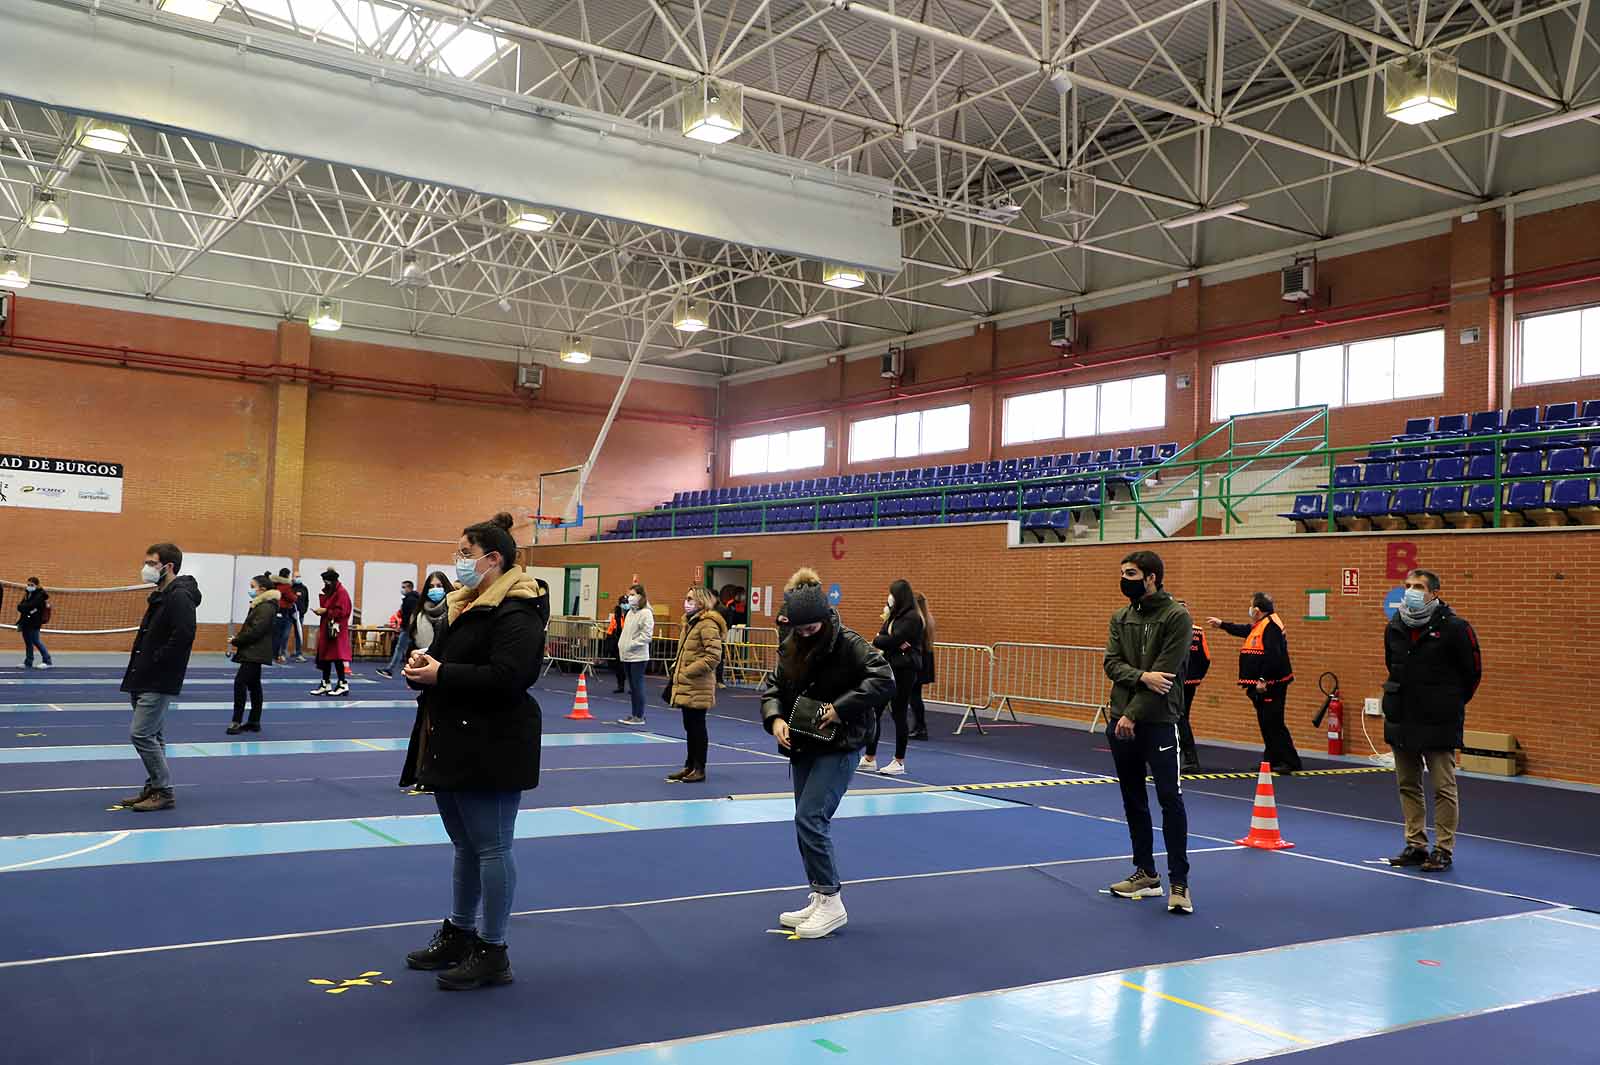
(435, 594)
(1414, 600)
(467, 572)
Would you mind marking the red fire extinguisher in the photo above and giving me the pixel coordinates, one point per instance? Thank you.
(1333, 711)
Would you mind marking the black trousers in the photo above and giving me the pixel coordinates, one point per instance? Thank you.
(905, 682)
(694, 725)
(1278, 745)
(1186, 745)
(621, 671)
(247, 682)
(327, 670)
(1155, 746)
(919, 712)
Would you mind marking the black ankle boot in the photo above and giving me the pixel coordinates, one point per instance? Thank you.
(487, 966)
(450, 947)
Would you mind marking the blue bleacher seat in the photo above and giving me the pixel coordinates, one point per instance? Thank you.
(1146, 455)
(1306, 508)
(1378, 473)
(1449, 469)
(1566, 460)
(1528, 495)
(1378, 454)
(1083, 458)
(1451, 423)
(1446, 500)
(1521, 420)
(1166, 451)
(1573, 496)
(1372, 504)
(1480, 467)
(1416, 427)
(1053, 494)
(1346, 476)
(1414, 471)
(1590, 414)
(1409, 501)
(1558, 413)
(1102, 458)
(1485, 421)
(1524, 464)
(1124, 454)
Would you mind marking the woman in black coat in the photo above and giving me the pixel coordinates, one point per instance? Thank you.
(252, 649)
(926, 675)
(900, 640)
(31, 613)
(477, 746)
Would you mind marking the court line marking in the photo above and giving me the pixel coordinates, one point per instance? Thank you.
(1575, 924)
(374, 746)
(607, 820)
(668, 1044)
(1396, 824)
(1220, 1014)
(381, 835)
(118, 838)
(557, 910)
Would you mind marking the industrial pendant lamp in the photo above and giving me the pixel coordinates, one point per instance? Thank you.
(713, 111)
(838, 275)
(691, 315)
(327, 315)
(15, 270)
(48, 213)
(1419, 88)
(576, 350)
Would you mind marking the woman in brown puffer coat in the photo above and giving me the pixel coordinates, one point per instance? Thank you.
(694, 677)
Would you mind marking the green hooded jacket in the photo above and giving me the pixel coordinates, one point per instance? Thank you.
(1150, 636)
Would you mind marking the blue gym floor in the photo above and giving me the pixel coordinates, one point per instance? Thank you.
(266, 917)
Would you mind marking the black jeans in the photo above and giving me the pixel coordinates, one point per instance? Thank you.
(919, 712)
(694, 725)
(904, 682)
(1157, 747)
(247, 681)
(1191, 754)
(1278, 745)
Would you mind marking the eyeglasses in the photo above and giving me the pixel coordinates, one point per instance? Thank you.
(462, 556)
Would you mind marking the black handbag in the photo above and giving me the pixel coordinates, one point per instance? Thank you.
(805, 720)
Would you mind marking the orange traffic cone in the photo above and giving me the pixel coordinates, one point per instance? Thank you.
(1264, 818)
(580, 705)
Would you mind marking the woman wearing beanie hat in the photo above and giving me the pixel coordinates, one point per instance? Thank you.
(821, 660)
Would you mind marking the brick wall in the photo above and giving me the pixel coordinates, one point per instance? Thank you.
(1531, 595)
(204, 455)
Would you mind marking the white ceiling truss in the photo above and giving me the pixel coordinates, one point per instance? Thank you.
(1175, 107)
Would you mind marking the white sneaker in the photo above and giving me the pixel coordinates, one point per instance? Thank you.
(867, 765)
(796, 918)
(826, 919)
(896, 768)
(45, 665)
(322, 689)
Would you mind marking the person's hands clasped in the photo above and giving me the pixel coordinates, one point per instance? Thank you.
(780, 732)
(422, 669)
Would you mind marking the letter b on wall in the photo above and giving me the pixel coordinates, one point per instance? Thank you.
(1402, 559)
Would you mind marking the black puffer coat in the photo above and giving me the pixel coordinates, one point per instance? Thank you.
(478, 728)
(160, 654)
(1433, 674)
(850, 673)
(903, 628)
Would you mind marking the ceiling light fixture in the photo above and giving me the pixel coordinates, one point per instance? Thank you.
(713, 111)
(812, 319)
(909, 141)
(204, 10)
(528, 219)
(576, 350)
(691, 316)
(1061, 80)
(967, 279)
(1560, 118)
(838, 275)
(327, 316)
(14, 270)
(1205, 215)
(103, 136)
(1420, 87)
(47, 215)
(409, 272)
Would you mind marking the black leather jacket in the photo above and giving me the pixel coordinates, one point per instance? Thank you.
(851, 674)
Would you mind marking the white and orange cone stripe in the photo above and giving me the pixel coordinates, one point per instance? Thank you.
(1264, 834)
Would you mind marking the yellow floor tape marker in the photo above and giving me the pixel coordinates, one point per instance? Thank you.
(339, 987)
(607, 820)
(374, 746)
(1220, 1014)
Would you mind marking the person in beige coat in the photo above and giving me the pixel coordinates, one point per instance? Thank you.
(694, 677)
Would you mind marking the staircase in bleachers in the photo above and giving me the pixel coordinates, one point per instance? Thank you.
(1041, 491)
(1443, 472)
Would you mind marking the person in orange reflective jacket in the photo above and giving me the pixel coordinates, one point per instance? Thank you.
(1265, 675)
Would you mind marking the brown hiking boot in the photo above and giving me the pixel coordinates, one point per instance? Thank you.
(158, 799)
(131, 800)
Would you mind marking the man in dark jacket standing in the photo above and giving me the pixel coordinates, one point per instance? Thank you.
(1145, 659)
(302, 603)
(156, 667)
(1434, 669)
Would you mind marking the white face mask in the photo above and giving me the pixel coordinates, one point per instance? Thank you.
(889, 602)
(633, 600)
(32, 588)
(150, 573)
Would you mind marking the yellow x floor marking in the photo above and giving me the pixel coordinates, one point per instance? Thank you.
(339, 987)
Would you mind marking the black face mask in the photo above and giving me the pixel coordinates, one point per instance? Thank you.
(1133, 589)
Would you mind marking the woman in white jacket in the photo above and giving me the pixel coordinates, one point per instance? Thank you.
(633, 647)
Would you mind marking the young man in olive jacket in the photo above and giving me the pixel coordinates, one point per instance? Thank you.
(1434, 669)
(156, 669)
(1146, 653)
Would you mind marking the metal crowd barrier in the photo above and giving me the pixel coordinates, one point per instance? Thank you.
(749, 653)
(576, 641)
(1049, 674)
(963, 675)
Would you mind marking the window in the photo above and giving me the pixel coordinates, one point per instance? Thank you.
(800, 449)
(1110, 407)
(1559, 347)
(1368, 371)
(902, 436)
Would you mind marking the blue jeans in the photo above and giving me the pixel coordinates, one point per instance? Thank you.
(820, 781)
(482, 825)
(282, 628)
(402, 647)
(1157, 746)
(148, 735)
(636, 686)
(30, 640)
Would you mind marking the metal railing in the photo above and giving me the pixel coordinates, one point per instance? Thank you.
(749, 653)
(574, 641)
(963, 676)
(1046, 674)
